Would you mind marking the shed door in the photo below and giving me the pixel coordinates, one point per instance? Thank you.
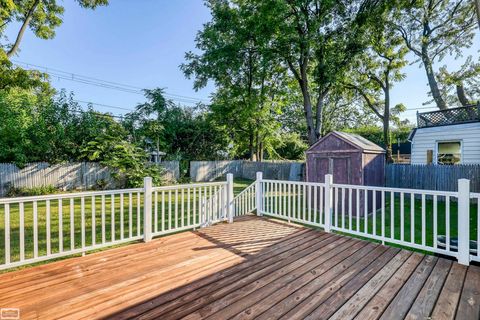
(339, 167)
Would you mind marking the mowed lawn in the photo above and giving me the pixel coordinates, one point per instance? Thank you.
(128, 207)
(418, 227)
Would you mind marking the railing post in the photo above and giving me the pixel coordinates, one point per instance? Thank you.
(464, 221)
(328, 202)
(259, 193)
(147, 209)
(230, 197)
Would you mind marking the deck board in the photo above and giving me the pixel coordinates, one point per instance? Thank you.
(253, 268)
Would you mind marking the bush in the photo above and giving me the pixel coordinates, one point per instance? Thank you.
(35, 191)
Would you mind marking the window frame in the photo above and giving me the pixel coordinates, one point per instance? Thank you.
(437, 142)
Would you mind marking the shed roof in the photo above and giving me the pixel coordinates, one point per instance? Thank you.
(354, 139)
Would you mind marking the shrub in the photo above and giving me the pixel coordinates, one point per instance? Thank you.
(35, 191)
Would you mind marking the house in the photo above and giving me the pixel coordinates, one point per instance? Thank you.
(447, 137)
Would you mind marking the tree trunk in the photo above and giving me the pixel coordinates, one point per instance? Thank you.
(250, 147)
(21, 32)
(477, 7)
(386, 126)
(432, 81)
(307, 108)
(319, 114)
(462, 97)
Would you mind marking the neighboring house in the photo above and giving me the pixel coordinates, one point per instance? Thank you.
(447, 137)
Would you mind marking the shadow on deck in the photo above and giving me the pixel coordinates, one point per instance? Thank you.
(253, 268)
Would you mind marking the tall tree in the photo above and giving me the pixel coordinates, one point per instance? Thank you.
(373, 75)
(41, 16)
(433, 29)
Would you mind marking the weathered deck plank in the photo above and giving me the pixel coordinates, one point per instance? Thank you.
(253, 268)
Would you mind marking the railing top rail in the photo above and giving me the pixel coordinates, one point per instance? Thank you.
(251, 186)
(57, 196)
(474, 195)
(295, 182)
(190, 185)
(390, 189)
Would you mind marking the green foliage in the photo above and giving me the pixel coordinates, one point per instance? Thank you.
(128, 162)
(375, 134)
(35, 191)
(183, 133)
(42, 17)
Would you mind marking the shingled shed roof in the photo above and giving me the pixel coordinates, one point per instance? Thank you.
(354, 140)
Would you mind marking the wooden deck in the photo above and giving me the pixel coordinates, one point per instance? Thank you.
(253, 268)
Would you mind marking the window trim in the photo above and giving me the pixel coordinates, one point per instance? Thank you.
(449, 141)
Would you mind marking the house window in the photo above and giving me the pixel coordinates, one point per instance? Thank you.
(449, 152)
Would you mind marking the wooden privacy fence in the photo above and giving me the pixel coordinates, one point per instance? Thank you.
(431, 177)
(278, 170)
(66, 176)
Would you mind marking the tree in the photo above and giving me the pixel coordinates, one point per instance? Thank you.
(374, 74)
(248, 77)
(41, 16)
(461, 87)
(316, 40)
(432, 29)
(477, 9)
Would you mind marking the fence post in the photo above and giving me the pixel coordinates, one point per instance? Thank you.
(328, 202)
(259, 193)
(230, 207)
(464, 221)
(147, 209)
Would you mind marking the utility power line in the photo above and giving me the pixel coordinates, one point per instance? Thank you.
(70, 76)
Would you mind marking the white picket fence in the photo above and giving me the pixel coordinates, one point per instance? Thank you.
(47, 227)
(427, 220)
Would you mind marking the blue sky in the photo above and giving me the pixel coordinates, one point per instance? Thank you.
(142, 44)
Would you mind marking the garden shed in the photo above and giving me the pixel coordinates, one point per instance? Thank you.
(350, 158)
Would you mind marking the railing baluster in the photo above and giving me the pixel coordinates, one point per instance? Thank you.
(169, 209)
(402, 218)
(424, 220)
(435, 221)
(342, 213)
(176, 208)
(112, 219)
(48, 227)
(304, 199)
(35, 228)
(183, 210)
(155, 216)
(122, 231)
(60, 225)
(447, 222)
(309, 201)
(358, 209)
(392, 215)
(383, 216)
(82, 212)
(365, 210)
(374, 219)
(336, 206)
(412, 218)
(94, 221)
(188, 207)
(194, 206)
(138, 215)
(103, 219)
(72, 224)
(7, 232)
(163, 211)
(350, 208)
(130, 215)
(22, 231)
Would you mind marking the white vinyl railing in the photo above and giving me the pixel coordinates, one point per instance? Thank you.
(428, 220)
(245, 201)
(47, 227)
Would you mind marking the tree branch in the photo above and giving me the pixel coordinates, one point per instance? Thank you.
(21, 32)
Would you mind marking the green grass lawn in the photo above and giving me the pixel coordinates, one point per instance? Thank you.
(373, 222)
(60, 211)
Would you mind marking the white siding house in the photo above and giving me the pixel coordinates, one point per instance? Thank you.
(460, 142)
